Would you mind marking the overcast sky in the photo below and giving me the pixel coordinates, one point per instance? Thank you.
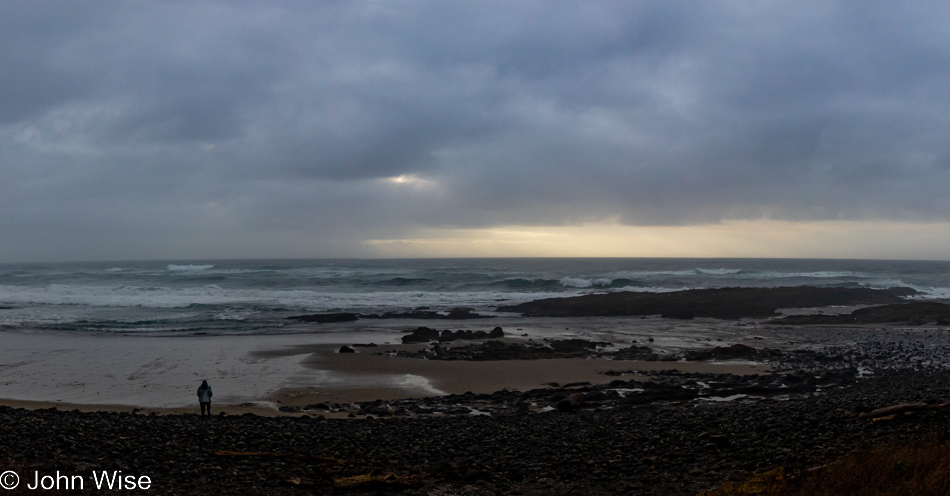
(143, 130)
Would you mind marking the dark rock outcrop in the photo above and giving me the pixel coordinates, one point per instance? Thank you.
(421, 335)
(912, 313)
(422, 313)
(575, 345)
(462, 313)
(458, 313)
(425, 334)
(500, 350)
(734, 352)
(724, 303)
(641, 353)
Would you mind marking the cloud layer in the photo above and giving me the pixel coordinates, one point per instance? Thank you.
(229, 129)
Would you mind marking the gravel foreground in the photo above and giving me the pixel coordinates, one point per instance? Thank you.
(669, 448)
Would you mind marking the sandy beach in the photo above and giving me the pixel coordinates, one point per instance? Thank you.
(259, 373)
(557, 405)
(718, 401)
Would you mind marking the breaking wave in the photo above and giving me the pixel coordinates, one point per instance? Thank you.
(824, 274)
(230, 295)
(189, 267)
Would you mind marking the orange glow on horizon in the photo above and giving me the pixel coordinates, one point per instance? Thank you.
(731, 239)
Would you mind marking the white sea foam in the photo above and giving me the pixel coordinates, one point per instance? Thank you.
(419, 382)
(718, 272)
(305, 299)
(655, 274)
(723, 398)
(188, 267)
(574, 282)
(822, 274)
(690, 272)
(739, 273)
(930, 293)
(651, 289)
(625, 391)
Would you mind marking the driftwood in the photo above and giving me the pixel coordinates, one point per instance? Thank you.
(385, 481)
(572, 402)
(904, 408)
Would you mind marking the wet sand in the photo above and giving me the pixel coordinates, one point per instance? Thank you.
(367, 376)
(260, 373)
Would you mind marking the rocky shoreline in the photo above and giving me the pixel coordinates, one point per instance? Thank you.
(669, 433)
(674, 446)
(655, 433)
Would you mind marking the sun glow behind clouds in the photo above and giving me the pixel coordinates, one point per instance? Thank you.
(409, 180)
(760, 238)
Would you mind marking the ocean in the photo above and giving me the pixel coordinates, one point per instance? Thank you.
(256, 296)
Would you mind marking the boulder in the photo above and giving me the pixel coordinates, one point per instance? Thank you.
(575, 345)
(462, 313)
(421, 335)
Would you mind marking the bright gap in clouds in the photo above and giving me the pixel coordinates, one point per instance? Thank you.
(759, 238)
(409, 180)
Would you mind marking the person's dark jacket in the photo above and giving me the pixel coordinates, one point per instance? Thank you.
(204, 394)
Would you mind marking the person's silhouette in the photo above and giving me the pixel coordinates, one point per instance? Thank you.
(204, 398)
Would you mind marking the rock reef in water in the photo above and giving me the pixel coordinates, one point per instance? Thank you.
(425, 334)
(912, 313)
(538, 350)
(724, 303)
(581, 348)
(499, 350)
(458, 313)
(734, 352)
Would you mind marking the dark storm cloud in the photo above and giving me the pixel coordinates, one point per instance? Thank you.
(179, 128)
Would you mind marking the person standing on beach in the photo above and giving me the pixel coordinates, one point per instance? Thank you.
(204, 397)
